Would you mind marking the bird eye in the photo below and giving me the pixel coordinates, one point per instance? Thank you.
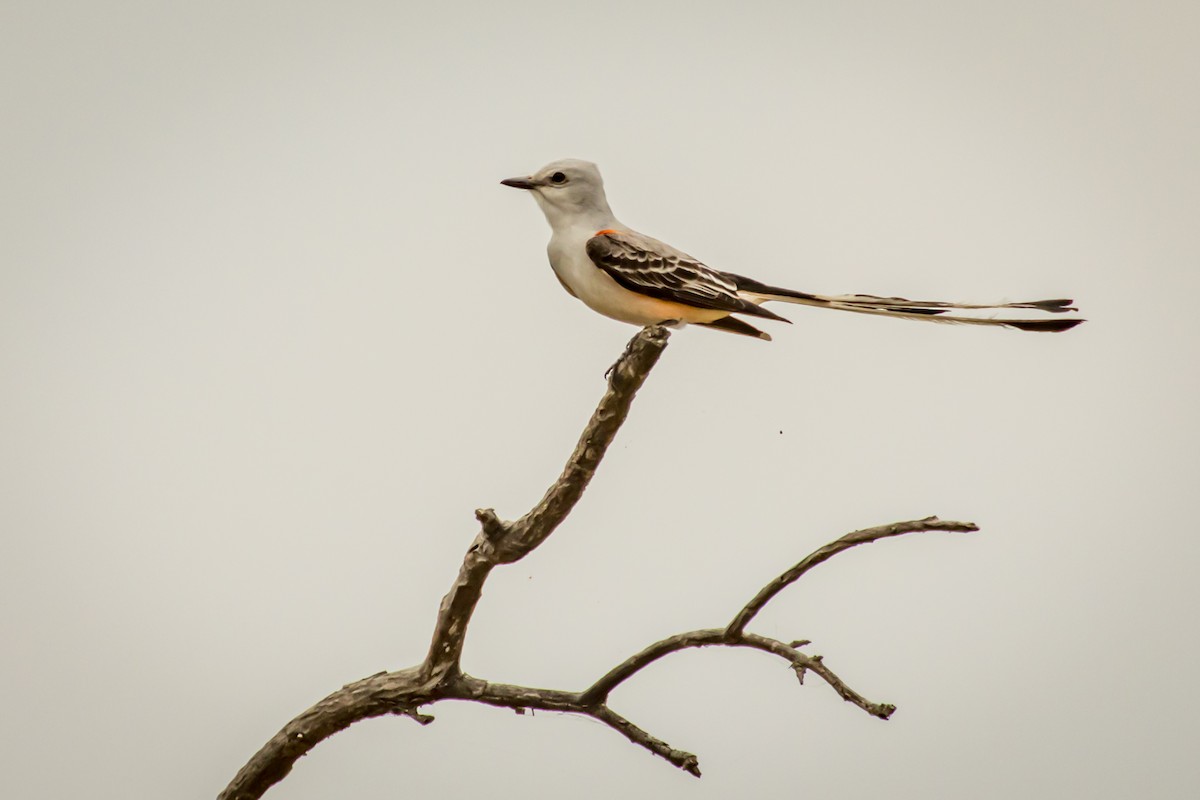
(558, 177)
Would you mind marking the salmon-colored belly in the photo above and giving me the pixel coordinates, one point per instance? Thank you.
(643, 310)
(603, 294)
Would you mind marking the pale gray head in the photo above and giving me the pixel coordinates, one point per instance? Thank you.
(570, 192)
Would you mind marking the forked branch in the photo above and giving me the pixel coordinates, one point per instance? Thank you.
(440, 677)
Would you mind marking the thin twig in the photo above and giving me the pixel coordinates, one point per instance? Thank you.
(599, 691)
(802, 663)
(681, 758)
(830, 550)
(522, 698)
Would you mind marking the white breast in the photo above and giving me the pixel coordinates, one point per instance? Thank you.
(577, 271)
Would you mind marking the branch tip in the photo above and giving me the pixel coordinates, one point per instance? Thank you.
(493, 527)
(936, 523)
(865, 536)
(416, 716)
(799, 669)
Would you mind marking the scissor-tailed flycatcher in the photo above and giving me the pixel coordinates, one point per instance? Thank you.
(633, 278)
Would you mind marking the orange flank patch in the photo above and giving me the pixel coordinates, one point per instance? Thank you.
(605, 232)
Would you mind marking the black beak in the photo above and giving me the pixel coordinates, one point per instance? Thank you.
(519, 183)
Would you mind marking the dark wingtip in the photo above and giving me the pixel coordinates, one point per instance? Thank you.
(1053, 306)
(735, 325)
(1044, 325)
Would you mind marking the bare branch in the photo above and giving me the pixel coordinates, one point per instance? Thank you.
(680, 758)
(505, 542)
(439, 676)
(625, 377)
(497, 542)
(450, 630)
(524, 697)
(802, 663)
(830, 550)
(384, 693)
(599, 691)
(817, 665)
(507, 695)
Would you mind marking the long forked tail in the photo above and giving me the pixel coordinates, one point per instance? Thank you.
(927, 310)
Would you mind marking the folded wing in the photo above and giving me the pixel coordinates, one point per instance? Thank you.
(650, 267)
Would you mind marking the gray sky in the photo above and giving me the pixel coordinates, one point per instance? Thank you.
(270, 330)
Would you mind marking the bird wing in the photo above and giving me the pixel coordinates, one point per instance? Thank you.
(650, 267)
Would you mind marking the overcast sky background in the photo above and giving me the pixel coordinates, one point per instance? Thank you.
(270, 330)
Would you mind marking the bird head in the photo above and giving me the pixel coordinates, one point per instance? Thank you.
(568, 190)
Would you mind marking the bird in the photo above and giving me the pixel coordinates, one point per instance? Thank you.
(634, 278)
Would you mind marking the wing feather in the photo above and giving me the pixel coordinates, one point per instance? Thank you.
(650, 267)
